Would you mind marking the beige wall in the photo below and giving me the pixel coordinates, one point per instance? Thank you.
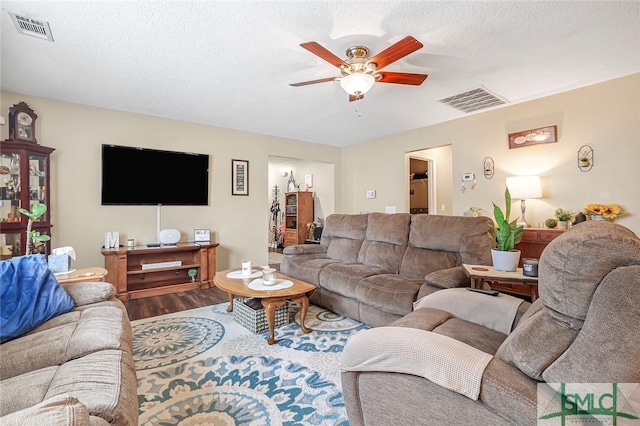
(605, 116)
(77, 132)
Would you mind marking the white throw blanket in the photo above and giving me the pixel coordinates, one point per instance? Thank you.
(494, 312)
(440, 359)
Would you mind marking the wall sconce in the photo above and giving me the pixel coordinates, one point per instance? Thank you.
(488, 167)
(585, 158)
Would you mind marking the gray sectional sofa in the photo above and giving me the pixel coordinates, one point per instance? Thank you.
(372, 267)
(583, 330)
(75, 369)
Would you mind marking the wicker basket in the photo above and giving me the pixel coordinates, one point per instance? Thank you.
(252, 316)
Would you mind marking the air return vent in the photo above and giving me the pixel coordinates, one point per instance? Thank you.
(32, 27)
(473, 100)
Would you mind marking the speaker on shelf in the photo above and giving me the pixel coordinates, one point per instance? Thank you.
(169, 236)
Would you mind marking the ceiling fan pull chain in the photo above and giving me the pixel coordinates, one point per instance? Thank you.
(358, 97)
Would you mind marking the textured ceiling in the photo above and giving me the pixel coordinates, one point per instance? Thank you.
(229, 63)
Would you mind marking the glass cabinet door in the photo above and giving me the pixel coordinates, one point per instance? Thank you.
(38, 181)
(10, 179)
(10, 245)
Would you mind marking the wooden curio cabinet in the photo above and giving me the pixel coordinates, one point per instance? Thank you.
(24, 181)
(298, 212)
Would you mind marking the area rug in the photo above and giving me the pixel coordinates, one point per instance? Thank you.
(200, 367)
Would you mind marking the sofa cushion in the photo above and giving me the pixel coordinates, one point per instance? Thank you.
(305, 267)
(30, 295)
(104, 381)
(389, 292)
(343, 235)
(386, 240)
(343, 278)
(36, 351)
(26, 389)
(61, 410)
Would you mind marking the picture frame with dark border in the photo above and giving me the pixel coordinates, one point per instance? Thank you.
(201, 235)
(239, 177)
(537, 136)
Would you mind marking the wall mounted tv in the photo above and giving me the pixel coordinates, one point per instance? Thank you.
(142, 176)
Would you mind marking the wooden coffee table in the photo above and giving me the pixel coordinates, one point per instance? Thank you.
(270, 299)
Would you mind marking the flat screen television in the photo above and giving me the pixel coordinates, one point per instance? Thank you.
(143, 176)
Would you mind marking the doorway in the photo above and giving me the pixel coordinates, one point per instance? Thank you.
(421, 194)
(429, 176)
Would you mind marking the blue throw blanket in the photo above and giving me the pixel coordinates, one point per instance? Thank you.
(30, 295)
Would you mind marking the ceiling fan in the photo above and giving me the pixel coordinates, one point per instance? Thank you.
(359, 73)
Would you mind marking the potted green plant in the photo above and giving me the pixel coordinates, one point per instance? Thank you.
(508, 234)
(564, 217)
(34, 241)
(584, 161)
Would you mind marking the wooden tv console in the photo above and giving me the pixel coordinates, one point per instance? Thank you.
(133, 280)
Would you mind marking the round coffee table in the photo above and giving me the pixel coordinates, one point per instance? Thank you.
(299, 292)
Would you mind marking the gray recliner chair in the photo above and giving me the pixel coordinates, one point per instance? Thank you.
(445, 363)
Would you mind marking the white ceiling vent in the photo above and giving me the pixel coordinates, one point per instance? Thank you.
(473, 100)
(32, 27)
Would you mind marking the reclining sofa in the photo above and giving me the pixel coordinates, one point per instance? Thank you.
(372, 267)
(444, 365)
(66, 351)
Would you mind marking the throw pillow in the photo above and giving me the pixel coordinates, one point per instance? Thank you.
(30, 295)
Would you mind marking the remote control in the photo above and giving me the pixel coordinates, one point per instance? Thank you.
(479, 290)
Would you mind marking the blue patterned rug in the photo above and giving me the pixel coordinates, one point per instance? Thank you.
(200, 367)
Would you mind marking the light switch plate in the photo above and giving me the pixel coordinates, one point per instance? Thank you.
(390, 209)
(371, 193)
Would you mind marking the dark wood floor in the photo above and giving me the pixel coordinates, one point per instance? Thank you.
(175, 302)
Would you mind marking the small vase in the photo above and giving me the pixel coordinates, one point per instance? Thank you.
(596, 217)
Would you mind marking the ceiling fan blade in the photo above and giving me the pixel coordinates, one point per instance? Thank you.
(396, 51)
(358, 97)
(320, 51)
(402, 78)
(306, 83)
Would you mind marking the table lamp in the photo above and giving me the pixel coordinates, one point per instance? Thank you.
(524, 187)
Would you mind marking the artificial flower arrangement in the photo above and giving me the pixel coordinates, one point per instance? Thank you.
(608, 211)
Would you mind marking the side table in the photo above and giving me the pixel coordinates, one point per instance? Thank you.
(484, 273)
(82, 275)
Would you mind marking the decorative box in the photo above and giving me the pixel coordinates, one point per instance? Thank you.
(249, 313)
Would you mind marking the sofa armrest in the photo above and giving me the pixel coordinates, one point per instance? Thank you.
(84, 293)
(438, 358)
(304, 249)
(495, 312)
(58, 410)
(448, 278)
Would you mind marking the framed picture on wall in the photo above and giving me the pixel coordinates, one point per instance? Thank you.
(533, 137)
(239, 177)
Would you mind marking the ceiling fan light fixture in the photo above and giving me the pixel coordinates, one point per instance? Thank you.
(357, 84)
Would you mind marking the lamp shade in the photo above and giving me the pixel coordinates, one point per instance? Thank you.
(358, 83)
(524, 187)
